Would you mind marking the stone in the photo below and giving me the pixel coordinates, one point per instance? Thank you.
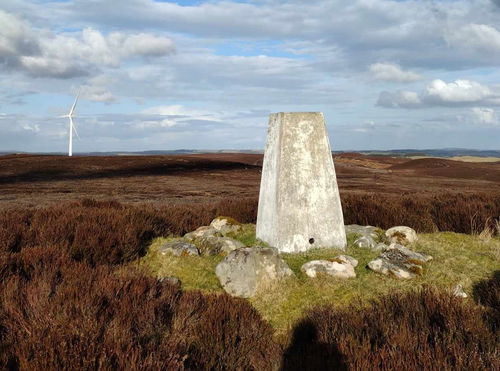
(218, 245)
(299, 203)
(171, 280)
(399, 252)
(224, 225)
(362, 230)
(229, 244)
(331, 268)
(459, 292)
(247, 270)
(400, 262)
(401, 235)
(347, 260)
(178, 248)
(388, 268)
(201, 232)
(380, 247)
(365, 242)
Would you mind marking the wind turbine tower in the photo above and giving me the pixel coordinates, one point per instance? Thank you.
(72, 127)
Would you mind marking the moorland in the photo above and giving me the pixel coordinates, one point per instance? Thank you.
(80, 274)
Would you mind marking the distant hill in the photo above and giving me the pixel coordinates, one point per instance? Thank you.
(446, 152)
(138, 153)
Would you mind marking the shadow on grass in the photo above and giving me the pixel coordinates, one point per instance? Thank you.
(487, 293)
(306, 352)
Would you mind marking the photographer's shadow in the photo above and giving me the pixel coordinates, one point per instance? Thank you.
(306, 352)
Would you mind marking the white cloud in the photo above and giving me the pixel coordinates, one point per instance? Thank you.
(412, 32)
(480, 37)
(15, 36)
(484, 116)
(96, 93)
(143, 45)
(441, 93)
(460, 91)
(400, 98)
(44, 54)
(368, 126)
(31, 127)
(392, 72)
(156, 124)
(181, 111)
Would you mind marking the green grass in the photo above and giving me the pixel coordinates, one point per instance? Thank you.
(247, 236)
(458, 259)
(195, 272)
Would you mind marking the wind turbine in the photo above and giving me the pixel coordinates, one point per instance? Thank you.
(72, 126)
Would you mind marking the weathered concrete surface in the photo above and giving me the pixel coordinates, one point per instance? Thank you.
(299, 203)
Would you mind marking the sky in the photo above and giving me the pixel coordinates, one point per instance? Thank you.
(164, 75)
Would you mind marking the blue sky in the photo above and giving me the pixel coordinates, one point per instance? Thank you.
(159, 75)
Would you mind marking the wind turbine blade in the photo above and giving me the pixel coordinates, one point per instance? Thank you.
(76, 131)
(74, 105)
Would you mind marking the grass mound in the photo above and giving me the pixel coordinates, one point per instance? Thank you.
(458, 259)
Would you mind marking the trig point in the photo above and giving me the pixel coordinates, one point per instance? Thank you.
(299, 202)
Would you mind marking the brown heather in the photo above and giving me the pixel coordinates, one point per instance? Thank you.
(56, 314)
(487, 293)
(426, 330)
(107, 232)
(69, 301)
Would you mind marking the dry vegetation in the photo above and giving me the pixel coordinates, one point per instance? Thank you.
(74, 293)
(34, 181)
(114, 232)
(56, 313)
(426, 330)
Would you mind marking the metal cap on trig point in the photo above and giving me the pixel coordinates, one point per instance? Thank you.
(299, 203)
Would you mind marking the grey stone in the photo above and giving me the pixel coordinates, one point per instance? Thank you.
(399, 252)
(331, 268)
(365, 242)
(171, 280)
(401, 235)
(229, 244)
(178, 248)
(347, 260)
(218, 245)
(380, 247)
(245, 271)
(362, 230)
(299, 203)
(225, 225)
(459, 292)
(400, 262)
(202, 232)
(389, 268)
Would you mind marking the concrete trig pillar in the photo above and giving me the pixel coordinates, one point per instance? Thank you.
(299, 202)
